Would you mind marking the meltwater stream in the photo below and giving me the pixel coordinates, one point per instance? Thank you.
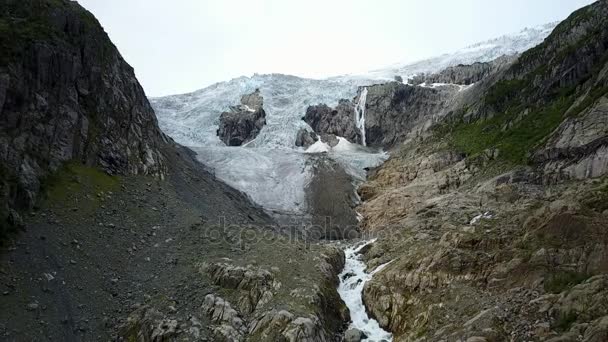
(352, 281)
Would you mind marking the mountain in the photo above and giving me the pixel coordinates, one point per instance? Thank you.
(493, 215)
(110, 231)
(487, 51)
(67, 94)
(258, 169)
(480, 209)
(191, 119)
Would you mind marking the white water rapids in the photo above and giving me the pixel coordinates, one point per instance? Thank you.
(352, 281)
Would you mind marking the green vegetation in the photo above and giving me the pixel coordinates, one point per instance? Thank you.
(25, 21)
(563, 280)
(75, 178)
(504, 91)
(513, 138)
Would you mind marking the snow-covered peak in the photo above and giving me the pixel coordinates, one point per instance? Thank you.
(486, 51)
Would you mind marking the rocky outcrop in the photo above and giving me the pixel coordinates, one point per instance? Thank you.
(396, 111)
(243, 122)
(66, 94)
(495, 218)
(339, 121)
(229, 325)
(149, 325)
(463, 74)
(304, 138)
(253, 289)
(578, 149)
(256, 285)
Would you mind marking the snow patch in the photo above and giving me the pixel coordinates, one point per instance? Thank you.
(486, 215)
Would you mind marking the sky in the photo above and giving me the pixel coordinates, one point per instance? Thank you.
(179, 46)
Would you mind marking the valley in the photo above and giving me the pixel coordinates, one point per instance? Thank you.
(459, 198)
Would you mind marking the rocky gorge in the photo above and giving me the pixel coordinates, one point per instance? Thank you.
(485, 220)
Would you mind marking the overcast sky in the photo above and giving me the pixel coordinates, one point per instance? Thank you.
(180, 46)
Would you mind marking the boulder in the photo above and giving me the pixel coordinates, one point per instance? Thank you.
(305, 138)
(243, 122)
(354, 335)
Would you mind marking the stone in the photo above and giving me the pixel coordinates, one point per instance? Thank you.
(354, 335)
(305, 138)
(477, 339)
(243, 122)
(338, 121)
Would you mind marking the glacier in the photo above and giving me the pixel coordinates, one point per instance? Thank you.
(270, 169)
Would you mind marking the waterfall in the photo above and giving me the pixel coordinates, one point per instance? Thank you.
(360, 114)
(352, 281)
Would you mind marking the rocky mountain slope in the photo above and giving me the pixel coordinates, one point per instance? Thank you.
(494, 216)
(66, 94)
(124, 235)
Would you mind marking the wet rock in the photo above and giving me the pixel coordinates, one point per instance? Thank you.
(354, 335)
(243, 122)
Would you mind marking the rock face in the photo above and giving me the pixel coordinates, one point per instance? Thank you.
(464, 74)
(243, 122)
(494, 219)
(305, 138)
(339, 121)
(578, 149)
(393, 111)
(66, 94)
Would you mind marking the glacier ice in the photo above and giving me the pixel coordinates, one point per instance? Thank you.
(270, 169)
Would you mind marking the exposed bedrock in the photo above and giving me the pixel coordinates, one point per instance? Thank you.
(339, 121)
(243, 122)
(463, 74)
(67, 95)
(396, 111)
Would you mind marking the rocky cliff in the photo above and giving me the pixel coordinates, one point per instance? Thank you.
(464, 74)
(494, 217)
(339, 121)
(66, 94)
(243, 122)
(133, 239)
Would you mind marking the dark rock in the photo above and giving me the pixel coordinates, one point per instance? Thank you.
(339, 121)
(393, 110)
(243, 122)
(305, 138)
(67, 95)
(398, 79)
